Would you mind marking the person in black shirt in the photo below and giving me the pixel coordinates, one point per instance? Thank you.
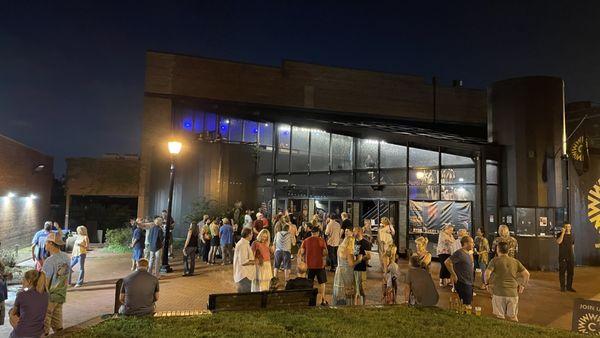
(362, 248)
(346, 223)
(566, 257)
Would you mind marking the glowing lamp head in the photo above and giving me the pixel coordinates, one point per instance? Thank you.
(174, 147)
(420, 175)
(10, 195)
(33, 196)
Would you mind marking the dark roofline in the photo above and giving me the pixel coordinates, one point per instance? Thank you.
(281, 67)
(26, 146)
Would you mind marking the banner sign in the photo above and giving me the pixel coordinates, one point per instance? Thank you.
(426, 217)
(586, 317)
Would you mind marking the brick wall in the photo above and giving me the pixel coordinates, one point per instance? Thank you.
(103, 176)
(21, 216)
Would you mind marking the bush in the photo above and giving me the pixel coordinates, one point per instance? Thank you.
(202, 207)
(8, 258)
(118, 240)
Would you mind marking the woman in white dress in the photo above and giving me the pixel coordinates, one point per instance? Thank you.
(261, 248)
(385, 240)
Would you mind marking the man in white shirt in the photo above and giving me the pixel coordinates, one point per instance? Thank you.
(333, 231)
(243, 263)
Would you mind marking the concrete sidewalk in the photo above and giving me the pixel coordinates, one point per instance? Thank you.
(542, 303)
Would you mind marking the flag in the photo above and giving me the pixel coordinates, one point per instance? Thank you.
(580, 154)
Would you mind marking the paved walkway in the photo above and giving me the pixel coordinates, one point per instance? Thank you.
(542, 303)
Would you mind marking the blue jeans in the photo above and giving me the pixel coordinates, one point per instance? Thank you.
(81, 261)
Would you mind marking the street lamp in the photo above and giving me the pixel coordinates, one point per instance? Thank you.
(174, 149)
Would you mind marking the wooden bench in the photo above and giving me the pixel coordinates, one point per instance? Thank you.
(280, 299)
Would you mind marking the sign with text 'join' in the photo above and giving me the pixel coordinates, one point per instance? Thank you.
(586, 317)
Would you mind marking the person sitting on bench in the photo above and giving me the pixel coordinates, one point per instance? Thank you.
(139, 292)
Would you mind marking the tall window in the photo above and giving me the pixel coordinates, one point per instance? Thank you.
(319, 150)
(341, 152)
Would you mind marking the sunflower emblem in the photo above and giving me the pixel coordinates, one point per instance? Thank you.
(593, 206)
(578, 149)
(589, 324)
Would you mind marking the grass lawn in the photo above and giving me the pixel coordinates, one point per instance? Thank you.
(398, 321)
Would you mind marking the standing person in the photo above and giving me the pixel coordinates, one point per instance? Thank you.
(293, 230)
(248, 219)
(189, 250)
(137, 244)
(385, 236)
(346, 223)
(312, 251)
(262, 259)
(343, 281)
(505, 272)
(566, 257)
(283, 251)
(171, 222)
(504, 236)
(155, 245)
(226, 241)
(244, 270)
(214, 241)
(132, 224)
(444, 248)
(4, 278)
(390, 279)
(456, 245)
(333, 231)
(31, 304)
(421, 252)
(205, 238)
(38, 244)
(304, 232)
(482, 249)
(460, 265)
(56, 268)
(420, 289)
(368, 230)
(79, 253)
(139, 292)
(362, 255)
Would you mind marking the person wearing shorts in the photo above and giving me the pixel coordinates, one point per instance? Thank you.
(313, 250)
(508, 278)
(362, 248)
(282, 245)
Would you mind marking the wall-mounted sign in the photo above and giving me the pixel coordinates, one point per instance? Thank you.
(594, 207)
(586, 317)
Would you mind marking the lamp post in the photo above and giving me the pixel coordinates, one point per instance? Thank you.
(174, 149)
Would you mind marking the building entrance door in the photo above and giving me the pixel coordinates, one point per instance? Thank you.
(374, 210)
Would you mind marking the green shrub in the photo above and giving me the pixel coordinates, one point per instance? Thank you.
(8, 258)
(118, 240)
(201, 207)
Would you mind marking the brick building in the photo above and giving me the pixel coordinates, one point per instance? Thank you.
(109, 181)
(25, 187)
(314, 139)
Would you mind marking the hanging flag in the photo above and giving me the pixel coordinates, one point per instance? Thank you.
(580, 154)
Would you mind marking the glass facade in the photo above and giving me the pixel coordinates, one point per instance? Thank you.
(295, 162)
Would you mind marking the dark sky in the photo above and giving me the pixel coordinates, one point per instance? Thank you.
(72, 73)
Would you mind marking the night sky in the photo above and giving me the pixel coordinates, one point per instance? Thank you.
(72, 73)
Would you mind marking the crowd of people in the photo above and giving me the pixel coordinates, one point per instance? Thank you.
(263, 251)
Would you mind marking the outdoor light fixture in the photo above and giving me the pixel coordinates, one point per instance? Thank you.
(39, 168)
(33, 196)
(10, 195)
(174, 147)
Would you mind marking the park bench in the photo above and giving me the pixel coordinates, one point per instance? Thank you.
(279, 299)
